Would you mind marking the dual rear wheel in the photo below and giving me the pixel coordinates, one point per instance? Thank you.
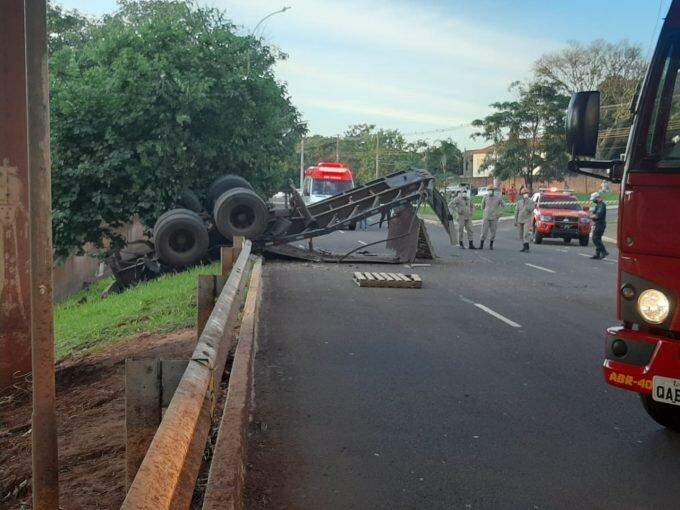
(181, 237)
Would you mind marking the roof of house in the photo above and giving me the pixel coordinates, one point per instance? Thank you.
(483, 150)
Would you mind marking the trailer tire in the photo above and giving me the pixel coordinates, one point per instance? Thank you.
(180, 238)
(223, 184)
(240, 212)
(664, 414)
(583, 240)
(189, 200)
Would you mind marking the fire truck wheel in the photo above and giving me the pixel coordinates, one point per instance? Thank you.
(240, 212)
(583, 240)
(180, 238)
(189, 200)
(536, 237)
(223, 184)
(664, 414)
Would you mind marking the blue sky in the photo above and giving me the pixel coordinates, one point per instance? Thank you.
(419, 66)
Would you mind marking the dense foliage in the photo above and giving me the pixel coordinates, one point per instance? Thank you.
(158, 97)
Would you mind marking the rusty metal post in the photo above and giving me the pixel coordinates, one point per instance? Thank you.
(15, 270)
(44, 422)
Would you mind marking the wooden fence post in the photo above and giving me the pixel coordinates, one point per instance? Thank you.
(142, 411)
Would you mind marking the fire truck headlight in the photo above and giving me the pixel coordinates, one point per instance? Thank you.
(546, 217)
(654, 306)
(584, 220)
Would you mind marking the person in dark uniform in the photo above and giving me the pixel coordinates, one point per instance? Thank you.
(599, 218)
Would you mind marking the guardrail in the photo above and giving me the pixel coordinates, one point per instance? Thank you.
(167, 475)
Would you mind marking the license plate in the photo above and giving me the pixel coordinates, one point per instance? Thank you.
(665, 389)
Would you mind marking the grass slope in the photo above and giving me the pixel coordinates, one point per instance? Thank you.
(162, 305)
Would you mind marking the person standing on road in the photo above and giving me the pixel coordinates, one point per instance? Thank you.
(462, 205)
(524, 213)
(492, 207)
(599, 218)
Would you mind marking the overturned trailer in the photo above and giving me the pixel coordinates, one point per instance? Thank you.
(184, 236)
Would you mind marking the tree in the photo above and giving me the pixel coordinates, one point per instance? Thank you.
(65, 27)
(152, 100)
(581, 67)
(528, 133)
(615, 69)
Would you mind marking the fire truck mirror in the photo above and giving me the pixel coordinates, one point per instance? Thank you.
(582, 123)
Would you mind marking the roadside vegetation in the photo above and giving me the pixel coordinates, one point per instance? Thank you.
(163, 305)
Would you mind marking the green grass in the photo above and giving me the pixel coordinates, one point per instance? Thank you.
(163, 305)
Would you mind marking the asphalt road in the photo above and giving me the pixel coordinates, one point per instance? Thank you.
(481, 390)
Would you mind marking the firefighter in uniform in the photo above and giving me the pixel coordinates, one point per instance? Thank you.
(599, 218)
(463, 207)
(492, 207)
(524, 213)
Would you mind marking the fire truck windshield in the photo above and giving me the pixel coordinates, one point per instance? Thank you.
(330, 187)
(663, 136)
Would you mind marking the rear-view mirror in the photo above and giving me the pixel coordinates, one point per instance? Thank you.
(582, 123)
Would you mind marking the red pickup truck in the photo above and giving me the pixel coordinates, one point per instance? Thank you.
(558, 214)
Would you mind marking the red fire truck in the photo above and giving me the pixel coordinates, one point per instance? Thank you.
(643, 353)
(326, 180)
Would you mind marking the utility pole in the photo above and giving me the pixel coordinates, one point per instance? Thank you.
(26, 330)
(377, 155)
(302, 160)
(44, 420)
(337, 149)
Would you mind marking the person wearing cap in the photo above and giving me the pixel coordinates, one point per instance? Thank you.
(524, 212)
(462, 205)
(492, 208)
(599, 218)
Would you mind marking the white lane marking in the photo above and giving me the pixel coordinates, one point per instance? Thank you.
(590, 256)
(487, 259)
(361, 242)
(562, 250)
(497, 315)
(341, 231)
(609, 240)
(539, 267)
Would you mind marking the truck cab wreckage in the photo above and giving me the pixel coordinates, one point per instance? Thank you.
(185, 236)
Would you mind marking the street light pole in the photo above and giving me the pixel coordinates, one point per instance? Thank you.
(252, 33)
(284, 9)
